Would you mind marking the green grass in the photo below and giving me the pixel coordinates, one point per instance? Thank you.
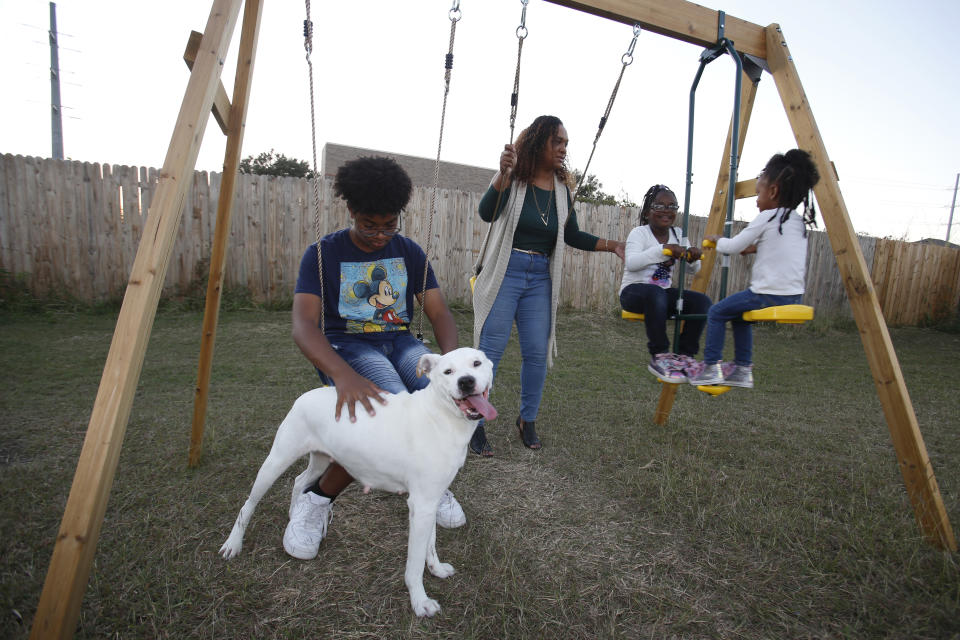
(773, 513)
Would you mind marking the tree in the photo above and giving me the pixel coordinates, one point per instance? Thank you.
(592, 191)
(271, 163)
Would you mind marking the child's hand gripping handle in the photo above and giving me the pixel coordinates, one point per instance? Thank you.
(689, 254)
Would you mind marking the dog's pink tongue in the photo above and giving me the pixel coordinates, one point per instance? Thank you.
(482, 406)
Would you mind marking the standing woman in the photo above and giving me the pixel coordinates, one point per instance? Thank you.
(519, 270)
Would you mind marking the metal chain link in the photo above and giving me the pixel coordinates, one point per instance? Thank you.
(626, 60)
(455, 15)
(308, 46)
(522, 33)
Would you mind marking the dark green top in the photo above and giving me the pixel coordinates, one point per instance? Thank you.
(532, 234)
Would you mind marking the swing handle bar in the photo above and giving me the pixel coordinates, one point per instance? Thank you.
(683, 254)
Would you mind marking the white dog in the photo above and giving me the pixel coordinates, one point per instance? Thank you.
(416, 443)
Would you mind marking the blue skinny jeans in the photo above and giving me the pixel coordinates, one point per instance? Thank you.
(389, 360)
(656, 304)
(524, 297)
(731, 308)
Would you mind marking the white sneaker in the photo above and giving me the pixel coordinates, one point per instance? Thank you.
(308, 524)
(450, 514)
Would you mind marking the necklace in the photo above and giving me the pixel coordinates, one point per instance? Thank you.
(544, 215)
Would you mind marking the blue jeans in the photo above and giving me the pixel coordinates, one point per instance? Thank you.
(731, 308)
(524, 297)
(388, 360)
(656, 304)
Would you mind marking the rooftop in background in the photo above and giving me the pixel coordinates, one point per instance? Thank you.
(422, 170)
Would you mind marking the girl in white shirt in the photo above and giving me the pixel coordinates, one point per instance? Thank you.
(647, 279)
(779, 238)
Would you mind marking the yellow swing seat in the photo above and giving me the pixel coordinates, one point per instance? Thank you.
(630, 315)
(783, 314)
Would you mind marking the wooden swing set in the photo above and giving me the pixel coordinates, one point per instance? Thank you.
(59, 607)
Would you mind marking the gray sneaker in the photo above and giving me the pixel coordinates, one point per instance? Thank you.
(308, 524)
(711, 374)
(741, 376)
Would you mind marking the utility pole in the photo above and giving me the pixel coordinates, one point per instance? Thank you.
(952, 205)
(56, 120)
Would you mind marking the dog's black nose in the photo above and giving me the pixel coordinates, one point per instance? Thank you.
(466, 384)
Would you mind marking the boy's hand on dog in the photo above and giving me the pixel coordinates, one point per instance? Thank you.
(353, 388)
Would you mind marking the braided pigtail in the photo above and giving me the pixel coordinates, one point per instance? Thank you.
(795, 174)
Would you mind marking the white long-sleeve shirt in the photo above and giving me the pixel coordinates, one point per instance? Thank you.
(781, 261)
(643, 256)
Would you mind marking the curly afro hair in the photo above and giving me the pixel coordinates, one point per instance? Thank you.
(373, 185)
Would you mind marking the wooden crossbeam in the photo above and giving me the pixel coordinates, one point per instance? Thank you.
(745, 189)
(677, 19)
(892, 390)
(221, 103)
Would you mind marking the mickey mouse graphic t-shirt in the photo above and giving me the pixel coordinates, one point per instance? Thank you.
(365, 292)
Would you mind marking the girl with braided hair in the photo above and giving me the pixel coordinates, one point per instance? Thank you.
(647, 279)
(778, 236)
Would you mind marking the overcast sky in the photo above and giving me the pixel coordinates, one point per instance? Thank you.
(879, 75)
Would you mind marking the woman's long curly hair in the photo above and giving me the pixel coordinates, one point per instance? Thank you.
(530, 145)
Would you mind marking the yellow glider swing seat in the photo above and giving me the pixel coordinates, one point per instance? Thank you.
(783, 314)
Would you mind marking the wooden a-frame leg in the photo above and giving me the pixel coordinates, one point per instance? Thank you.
(249, 32)
(59, 607)
(911, 452)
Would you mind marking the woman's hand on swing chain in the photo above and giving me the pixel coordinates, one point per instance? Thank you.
(354, 388)
(508, 159)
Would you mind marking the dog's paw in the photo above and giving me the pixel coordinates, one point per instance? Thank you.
(426, 607)
(442, 570)
(230, 549)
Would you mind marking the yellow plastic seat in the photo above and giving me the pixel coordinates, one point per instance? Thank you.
(784, 314)
(630, 315)
(713, 389)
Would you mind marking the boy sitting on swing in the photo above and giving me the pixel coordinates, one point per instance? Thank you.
(354, 328)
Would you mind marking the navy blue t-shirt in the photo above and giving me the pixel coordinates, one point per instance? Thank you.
(365, 292)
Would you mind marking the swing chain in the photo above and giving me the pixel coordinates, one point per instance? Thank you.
(455, 16)
(522, 29)
(625, 60)
(522, 33)
(308, 45)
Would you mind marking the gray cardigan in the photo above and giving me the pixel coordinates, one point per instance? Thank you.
(495, 254)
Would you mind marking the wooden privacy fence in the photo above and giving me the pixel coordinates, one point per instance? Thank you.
(73, 227)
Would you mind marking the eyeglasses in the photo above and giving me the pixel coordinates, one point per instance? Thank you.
(372, 232)
(656, 206)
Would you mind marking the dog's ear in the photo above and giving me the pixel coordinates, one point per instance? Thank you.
(427, 362)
